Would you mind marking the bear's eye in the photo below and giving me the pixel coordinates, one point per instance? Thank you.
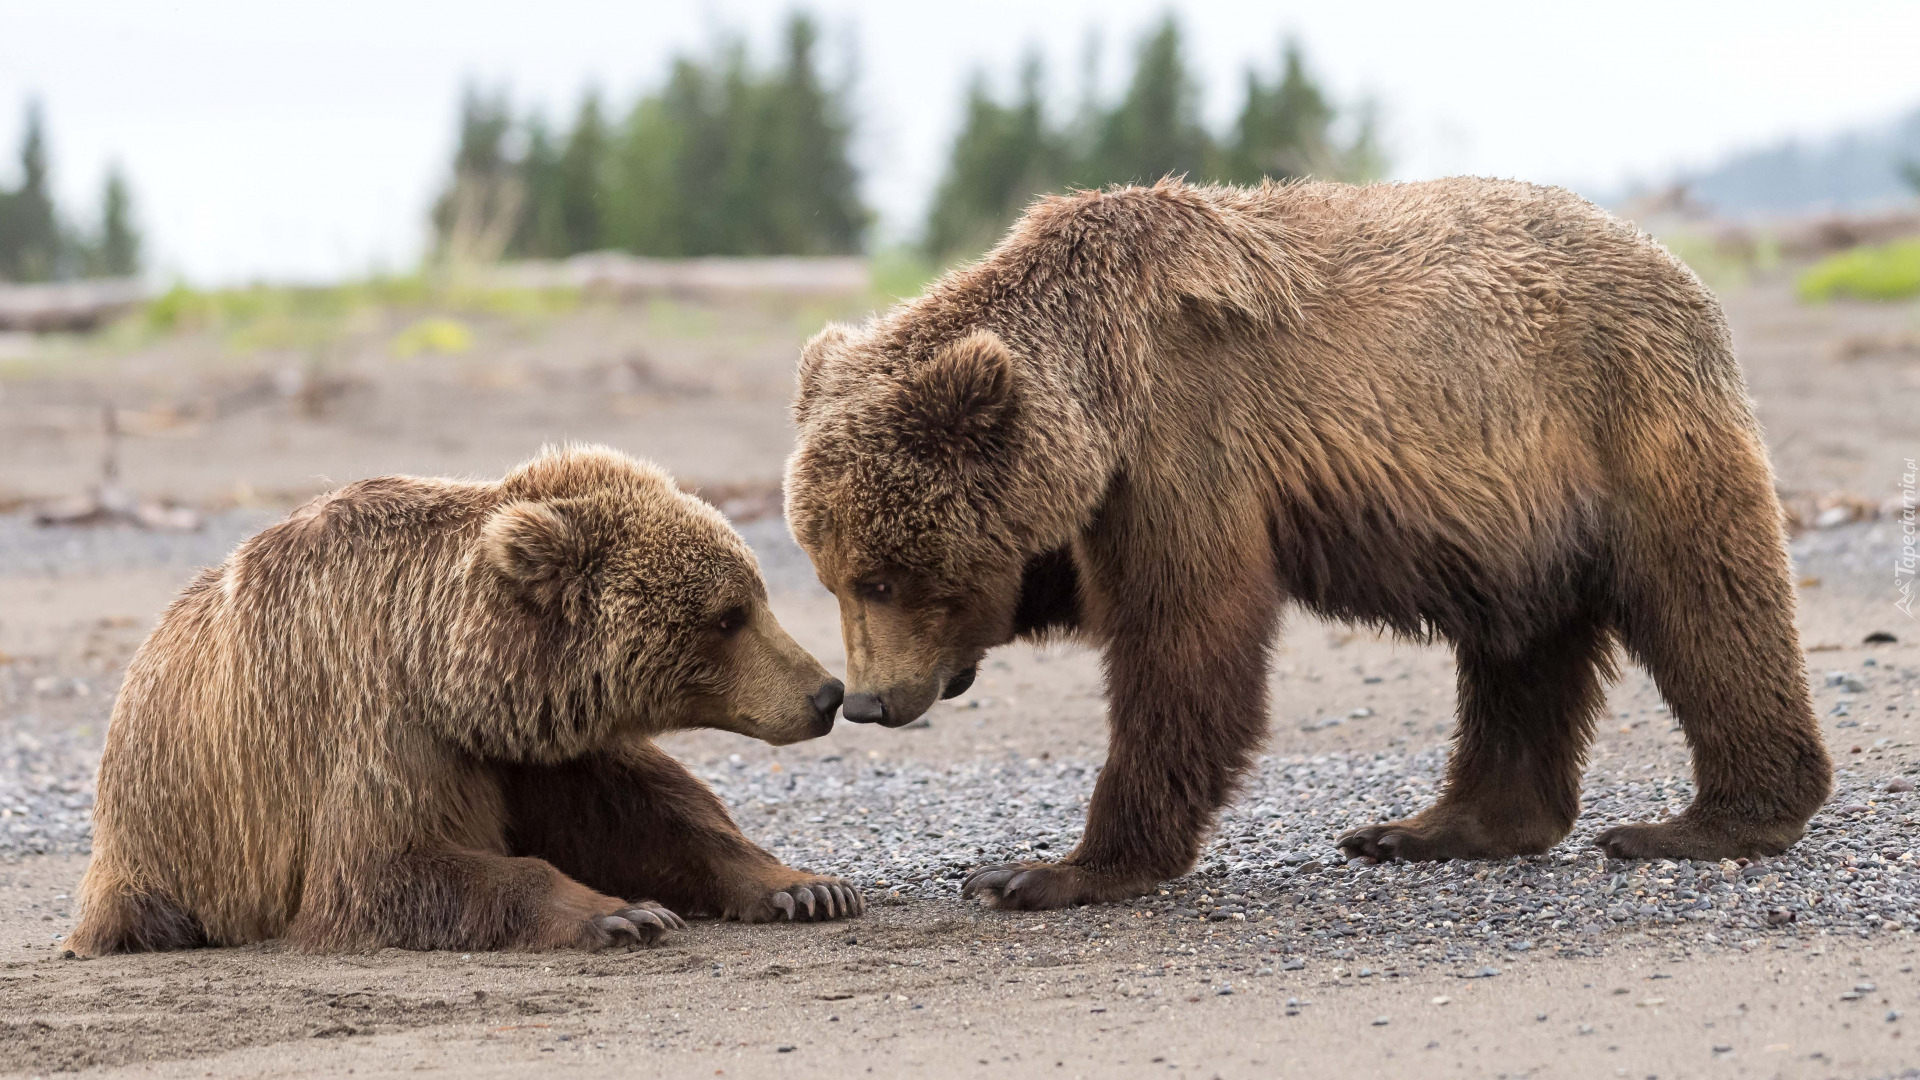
(731, 621)
(876, 590)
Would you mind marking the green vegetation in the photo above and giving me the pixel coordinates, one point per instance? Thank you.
(438, 334)
(1722, 261)
(264, 316)
(37, 245)
(725, 159)
(1882, 272)
(1008, 153)
(900, 272)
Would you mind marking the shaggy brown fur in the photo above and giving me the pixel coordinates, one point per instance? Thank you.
(417, 713)
(1471, 409)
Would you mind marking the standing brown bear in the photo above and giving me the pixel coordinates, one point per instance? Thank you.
(417, 713)
(1471, 409)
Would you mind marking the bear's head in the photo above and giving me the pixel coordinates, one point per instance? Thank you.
(638, 603)
(927, 479)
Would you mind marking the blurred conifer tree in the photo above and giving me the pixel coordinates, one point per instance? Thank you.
(723, 159)
(581, 180)
(117, 254)
(1002, 157)
(1155, 129)
(541, 231)
(483, 208)
(1006, 154)
(37, 244)
(1285, 131)
(30, 240)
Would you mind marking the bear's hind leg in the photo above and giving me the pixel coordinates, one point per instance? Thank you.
(1513, 779)
(1708, 610)
(118, 916)
(635, 822)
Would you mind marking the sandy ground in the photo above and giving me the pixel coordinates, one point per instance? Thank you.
(925, 983)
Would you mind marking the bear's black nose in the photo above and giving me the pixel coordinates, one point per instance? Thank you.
(866, 709)
(827, 699)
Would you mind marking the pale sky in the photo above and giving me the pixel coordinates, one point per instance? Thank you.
(303, 141)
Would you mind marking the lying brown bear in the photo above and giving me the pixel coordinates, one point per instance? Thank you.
(417, 713)
(1470, 409)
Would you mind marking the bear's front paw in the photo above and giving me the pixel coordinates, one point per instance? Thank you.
(1038, 886)
(812, 899)
(638, 924)
(1445, 833)
(1411, 840)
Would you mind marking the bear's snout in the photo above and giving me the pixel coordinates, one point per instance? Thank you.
(826, 702)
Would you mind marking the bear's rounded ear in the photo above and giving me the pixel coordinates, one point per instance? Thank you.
(960, 399)
(540, 554)
(813, 363)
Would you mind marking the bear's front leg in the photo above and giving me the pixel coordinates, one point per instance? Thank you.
(408, 852)
(1188, 640)
(633, 821)
(465, 900)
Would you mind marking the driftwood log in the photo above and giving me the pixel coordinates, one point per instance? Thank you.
(67, 305)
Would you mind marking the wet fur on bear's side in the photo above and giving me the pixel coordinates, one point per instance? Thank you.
(417, 713)
(1475, 410)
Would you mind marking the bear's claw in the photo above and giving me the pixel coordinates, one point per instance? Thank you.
(1381, 843)
(815, 901)
(641, 924)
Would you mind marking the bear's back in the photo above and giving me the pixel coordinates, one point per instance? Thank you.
(258, 687)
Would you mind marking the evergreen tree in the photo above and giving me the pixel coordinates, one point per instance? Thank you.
(118, 252)
(1155, 129)
(669, 170)
(724, 159)
(727, 160)
(798, 167)
(643, 211)
(30, 241)
(481, 211)
(707, 108)
(1006, 154)
(581, 180)
(541, 232)
(1003, 157)
(1285, 131)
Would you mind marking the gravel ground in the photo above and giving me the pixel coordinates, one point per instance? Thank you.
(908, 831)
(912, 833)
